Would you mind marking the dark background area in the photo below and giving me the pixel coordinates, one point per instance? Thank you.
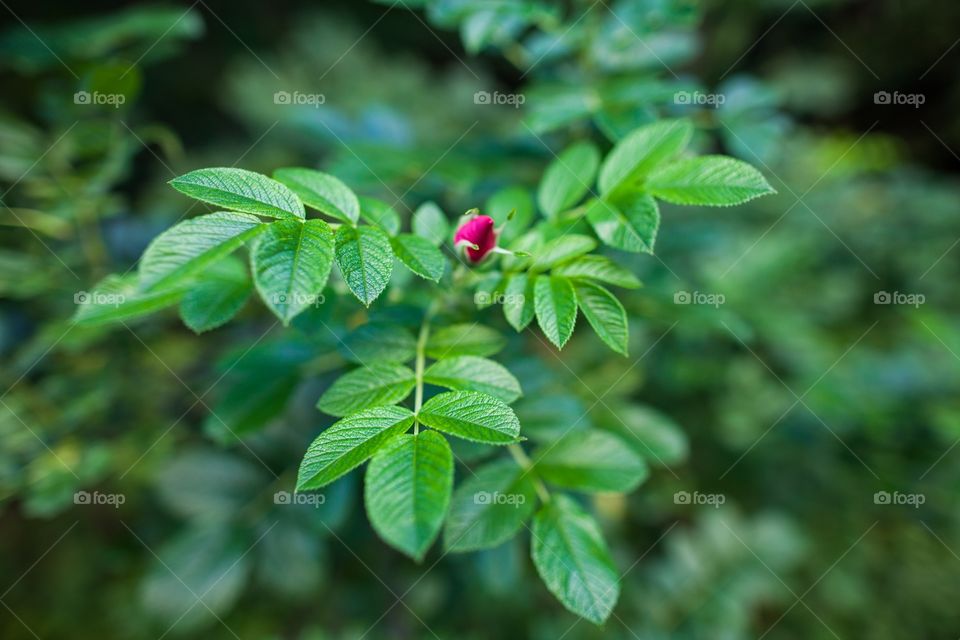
(879, 382)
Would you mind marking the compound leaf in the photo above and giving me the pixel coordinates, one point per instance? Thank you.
(380, 214)
(291, 263)
(217, 296)
(464, 340)
(472, 416)
(240, 190)
(380, 383)
(572, 559)
(348, 443)
(642, 150)
(518, 301)
(708, 180)
(562, 249)
(472, 373)
(568, 178)
(598, 268)
(117, 298)
(322, 192)
(365, 260)
(489, 507)
(555, 302)
(629, 223)
(592, 460)
(407, 492)
(378, 341)
(431, 223)
(419, 255)
(604, 313)
(186, 249)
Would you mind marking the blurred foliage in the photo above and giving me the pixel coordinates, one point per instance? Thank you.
(797, 399)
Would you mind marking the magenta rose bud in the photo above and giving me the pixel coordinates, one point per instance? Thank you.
(478, 236)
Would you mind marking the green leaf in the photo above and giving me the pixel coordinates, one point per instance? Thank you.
(431, 223)
(407, 492)
(630, 223)
(381, 383)
(291, 263)
(472, 416)
(518, 296)
(217, 296)
(572, 559)
(514, 199)
(642, 150)
(562, 249)
(648, 432)
(708, 180)
(240, 190)
(598, 268)
(419, 256)
(530, 244)
(186, 249)
(568, 178)
(488, 290)
(554, 105)
(618, 122)
(550, 415)
(592, 460)
(348, 443)
(117, 298)
(464, 340)
(489, 507)
(365, 260)
(555, 302)
(604, 313)
(471, 373)
(379, 213)
(322, 192)
(378, 342)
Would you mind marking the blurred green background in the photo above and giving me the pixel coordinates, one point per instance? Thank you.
(795, 360)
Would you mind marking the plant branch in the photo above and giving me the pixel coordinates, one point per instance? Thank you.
(420, 363)
(522, 459)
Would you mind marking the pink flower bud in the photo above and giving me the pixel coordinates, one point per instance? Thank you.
(476, 232)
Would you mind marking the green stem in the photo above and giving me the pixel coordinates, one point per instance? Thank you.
(519, 455)
(422, 338)
(527, 465)
(420, 363)
(572, 214)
